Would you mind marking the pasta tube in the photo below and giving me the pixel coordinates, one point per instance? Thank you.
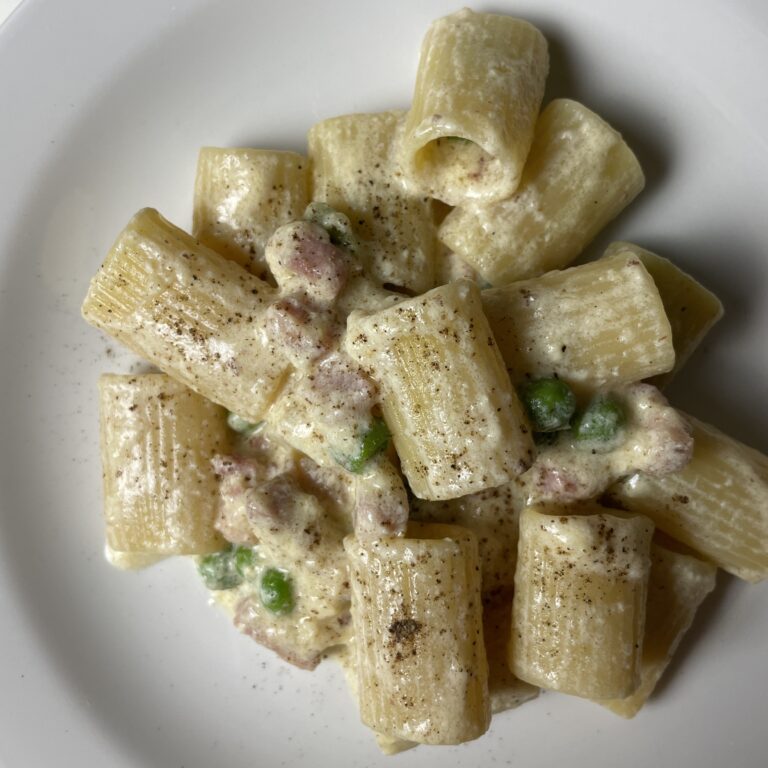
(160, 490)
(242, 196)
(579, 175)
(506, 690)
(189, 311)
(355, 170)
(130, 561)
(451, 268)
(418, 643)
(692, 309)
(717, 504)
(389, 745)
(578, 612)
(492, 515)
(598, 325)
(456, 423)
(678, 585)
(478, 91)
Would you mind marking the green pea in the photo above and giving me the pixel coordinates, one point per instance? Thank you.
(550, 403)
(374, 440)
(338, 236)
(277, 591)
(218, 570)
(241, 425)
(245, 561)
(335, 223)
(600, 421)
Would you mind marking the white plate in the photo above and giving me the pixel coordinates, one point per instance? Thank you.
(104, 106)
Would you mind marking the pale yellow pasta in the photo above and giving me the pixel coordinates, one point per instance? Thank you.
(492, 515)
(580, 174)
(456, 422)
(691, 308)
(130, 561)
(160, 490)
(242, 196)
(478, 91)
(356, 171)
(418, 642)
(717, 505)
(302, 417)
(677, 586)
(450, 267)
(506, 690)
(598, 325)
(389, 745)
(191, 312)
(578, 612)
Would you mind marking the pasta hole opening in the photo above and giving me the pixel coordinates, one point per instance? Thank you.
(453, 163)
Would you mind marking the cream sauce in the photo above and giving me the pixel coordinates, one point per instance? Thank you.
(656, 440)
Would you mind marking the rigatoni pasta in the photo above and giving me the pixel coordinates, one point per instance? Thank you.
(717, 505)
(356, 170)
(157, 441)
(418, 616)
(242, 196)
(578, 613)
(457, 425)
(677, 586)
(492, 515)
(478, 90)
(691, 309)
(189, 311)
(506, 690)
(598, 325)
(580, 174)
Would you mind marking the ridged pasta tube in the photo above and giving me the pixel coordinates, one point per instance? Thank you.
(455, 420)
(417, 616)
(692, 310)
(478, 91)
(389, 745)
(493, 517)
(578, 612)
(160, 490)
(355, 169)
(506, 690)
(598, 325)
(678, 584)
(191, 312)
(717, 504)
(242, 196)
(580, 174)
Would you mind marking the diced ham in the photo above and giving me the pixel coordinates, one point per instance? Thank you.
(348, 391)
(253, 512)
(333, 485)
(302, 257)
(249, 619)
(301, 329)
(240, 497)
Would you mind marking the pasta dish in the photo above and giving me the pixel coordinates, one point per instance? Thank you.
(391, 421)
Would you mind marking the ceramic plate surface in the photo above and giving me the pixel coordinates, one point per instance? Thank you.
(104, 106)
